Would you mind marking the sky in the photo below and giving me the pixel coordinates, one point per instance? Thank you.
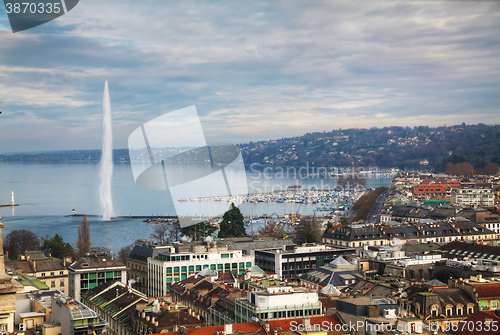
(254, 70)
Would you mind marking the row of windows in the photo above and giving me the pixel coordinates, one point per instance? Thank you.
(96, 275)
(191, 268)
(52, 274)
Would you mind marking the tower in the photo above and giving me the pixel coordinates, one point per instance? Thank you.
(8, 289)
(4, 278)
(12, 199)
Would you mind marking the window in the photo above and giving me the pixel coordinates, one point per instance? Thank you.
(183, 269)
(169, 270)
(249, 264)
(191, 268)
(43, 274)
(198, 267)
(52, 273)
(53, 283)
(61, 284)
(494, 304)
(176, 269)
(61, 273)
(219, 266)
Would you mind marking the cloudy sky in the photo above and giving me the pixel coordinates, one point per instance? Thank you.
(254, 70)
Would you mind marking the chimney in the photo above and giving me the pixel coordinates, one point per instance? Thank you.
(34, 266)
(228, 329)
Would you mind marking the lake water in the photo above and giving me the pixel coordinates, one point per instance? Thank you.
(47, 193)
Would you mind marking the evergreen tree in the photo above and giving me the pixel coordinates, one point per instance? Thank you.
(233, 223)
(56, 247)
(199, 230)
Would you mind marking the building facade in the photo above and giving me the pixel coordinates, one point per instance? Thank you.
(93, 270)
(184, 260)
(473, 197)
(292, 261)
(137, 264)
(277, 302)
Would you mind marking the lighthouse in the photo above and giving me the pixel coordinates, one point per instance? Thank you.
(12, 199)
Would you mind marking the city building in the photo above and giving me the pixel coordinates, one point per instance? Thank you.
(433, 189)
(73, 317)
(291, 261)
(201, 293)
(473, 197)
(48, 270)
(423, 231)
(277, 302)
(339, 273)
(137, 263)
(93, 270)
(116, 303)
(436, 304)
(164, 318)
(182, 260)
(485, 292)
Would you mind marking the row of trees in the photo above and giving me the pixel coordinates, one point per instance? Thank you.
(18, 241)
(368, 204)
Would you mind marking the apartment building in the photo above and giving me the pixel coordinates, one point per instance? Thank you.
(182, 260)
(93, 270)
(277, 302)
(292, 261)
(473, 197)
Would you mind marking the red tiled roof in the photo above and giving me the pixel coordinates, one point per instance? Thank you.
(254, 327)
(480, 318)
(488, 291)
(242, 328)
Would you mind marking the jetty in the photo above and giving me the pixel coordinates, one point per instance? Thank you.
(12, 202)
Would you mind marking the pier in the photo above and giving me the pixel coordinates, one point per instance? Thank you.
(12, 202)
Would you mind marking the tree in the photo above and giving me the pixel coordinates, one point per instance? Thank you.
(56, 247)
(308, 230)
(165, 231)
(175, 231)
(19, 241)
(199, 230)
(83, 243)
(344, 221)
(124, 253)
(161, 232)
(271, 229)
(233, 223)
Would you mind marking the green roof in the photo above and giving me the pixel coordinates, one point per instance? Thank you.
(39, 284)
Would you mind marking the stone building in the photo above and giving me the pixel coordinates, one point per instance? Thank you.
(8, 289)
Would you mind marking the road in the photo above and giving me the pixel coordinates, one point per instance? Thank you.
(379, 204)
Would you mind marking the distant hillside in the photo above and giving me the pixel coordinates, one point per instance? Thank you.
(407, 148)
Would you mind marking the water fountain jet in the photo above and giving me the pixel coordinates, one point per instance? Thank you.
(106, 158)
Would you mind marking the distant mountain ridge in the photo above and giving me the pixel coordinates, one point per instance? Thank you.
(402, 147)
